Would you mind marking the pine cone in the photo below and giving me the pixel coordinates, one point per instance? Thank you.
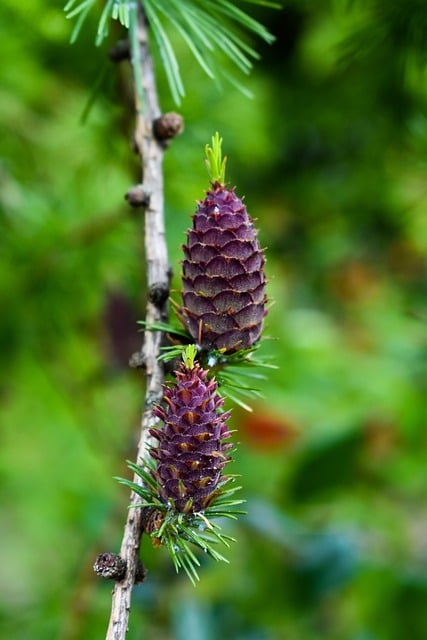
(191, 453)
(223, 274)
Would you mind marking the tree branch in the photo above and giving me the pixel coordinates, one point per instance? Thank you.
(151, 152)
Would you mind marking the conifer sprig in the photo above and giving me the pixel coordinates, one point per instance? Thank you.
(180, 533)
(183, 486)
(211, 29)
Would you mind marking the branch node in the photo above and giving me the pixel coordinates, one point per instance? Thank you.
(140, 572)
(158, 293)
(152, 522)
(110, 566)
(120, 51)
(167, 126)
(138, 196)
(137, 360)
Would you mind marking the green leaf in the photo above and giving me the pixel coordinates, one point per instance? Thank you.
(244, 19)
(102, 31)
(179, 531)
(265, 3)
(79, 23)
(135, 487)
(214, 160)
(164, 326)
(82, 7)
(189, 355)
(195, 42)
(69, 5)
(227, 41)
(171, 353)
(209, 29)
(235, 398)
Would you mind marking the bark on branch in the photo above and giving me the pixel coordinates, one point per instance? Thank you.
(151, 153)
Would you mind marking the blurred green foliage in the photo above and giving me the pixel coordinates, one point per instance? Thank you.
(331, 154)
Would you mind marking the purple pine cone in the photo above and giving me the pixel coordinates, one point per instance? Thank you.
(191, 452)
(223, 275)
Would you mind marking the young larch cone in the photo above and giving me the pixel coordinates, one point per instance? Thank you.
(223, 271)
(191, 451)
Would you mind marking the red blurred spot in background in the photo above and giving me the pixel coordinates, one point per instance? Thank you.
(265, 430)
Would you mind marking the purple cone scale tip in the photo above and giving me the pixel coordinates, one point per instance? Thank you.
(191, 452)
(223, 297)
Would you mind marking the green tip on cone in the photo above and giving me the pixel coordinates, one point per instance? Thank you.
(214, 160)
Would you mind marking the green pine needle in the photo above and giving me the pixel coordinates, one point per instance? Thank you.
(232, 371)
(214, 160)
(183, 533)
(189, 355)
(166, 328)
(211, 29)
(172, 352)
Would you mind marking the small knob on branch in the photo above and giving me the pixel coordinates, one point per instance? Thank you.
(167, 126)
(138, 196)
(110, 566)
(120, 51)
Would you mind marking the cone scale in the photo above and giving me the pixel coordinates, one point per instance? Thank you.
(223, 297)
(191, 451)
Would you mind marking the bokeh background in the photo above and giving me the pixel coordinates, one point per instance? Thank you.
(331, 154)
